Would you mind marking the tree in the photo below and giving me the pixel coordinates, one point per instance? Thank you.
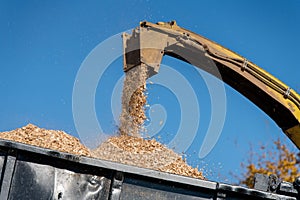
(279, 160)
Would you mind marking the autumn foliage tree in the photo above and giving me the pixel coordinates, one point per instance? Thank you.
(279, 160)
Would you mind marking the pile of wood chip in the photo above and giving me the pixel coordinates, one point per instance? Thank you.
(146, 154)
(123, 149)
(180, 167)
(50, 139)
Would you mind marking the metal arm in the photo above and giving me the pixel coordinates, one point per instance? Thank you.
(150, 42)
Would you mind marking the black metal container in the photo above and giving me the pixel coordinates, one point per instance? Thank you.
(33, 173)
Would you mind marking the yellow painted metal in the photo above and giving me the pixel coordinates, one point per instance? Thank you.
(275, 88)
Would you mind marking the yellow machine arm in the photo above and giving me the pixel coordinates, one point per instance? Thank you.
(150, 42)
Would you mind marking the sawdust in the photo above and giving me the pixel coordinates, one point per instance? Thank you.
(50, 139)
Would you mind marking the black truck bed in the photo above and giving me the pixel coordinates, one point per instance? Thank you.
(29, 172)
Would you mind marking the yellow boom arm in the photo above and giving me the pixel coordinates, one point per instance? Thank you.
(150, 42)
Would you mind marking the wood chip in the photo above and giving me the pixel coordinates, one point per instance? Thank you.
(50, 139)
(133, 101)
(146, 154)
(136, 150)
(123, 149)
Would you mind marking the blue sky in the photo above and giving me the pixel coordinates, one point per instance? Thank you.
(43, 44)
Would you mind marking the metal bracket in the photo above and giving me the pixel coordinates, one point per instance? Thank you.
(287, 188)
(8, 174)
(116, 186)
(266, 183)
(273, 184)
(244, 67)
(287, 93)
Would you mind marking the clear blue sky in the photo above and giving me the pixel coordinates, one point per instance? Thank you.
(43, 44)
